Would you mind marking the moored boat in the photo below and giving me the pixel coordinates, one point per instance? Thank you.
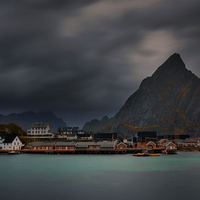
(13, 152)
(141, 154)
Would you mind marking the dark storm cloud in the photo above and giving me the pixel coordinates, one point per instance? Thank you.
(83, 59)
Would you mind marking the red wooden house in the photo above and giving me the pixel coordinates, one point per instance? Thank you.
(150, 145)
(65, 146)
(170, 147)
(41, 146)
(162, 141)
(122, 146)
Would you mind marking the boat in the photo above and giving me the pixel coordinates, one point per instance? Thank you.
(141, 154)
(146, 154)
(13, 152)
(154, 154)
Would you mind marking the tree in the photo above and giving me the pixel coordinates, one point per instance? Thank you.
(11, 129)
(59, 130)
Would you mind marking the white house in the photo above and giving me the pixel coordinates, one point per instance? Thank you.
(10, 142)
(39, 129)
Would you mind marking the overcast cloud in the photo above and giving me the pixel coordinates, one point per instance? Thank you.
(82, 59)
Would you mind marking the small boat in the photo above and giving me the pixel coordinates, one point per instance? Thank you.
(146, 154)
(154, 154)
(141, 154)
(13, 152)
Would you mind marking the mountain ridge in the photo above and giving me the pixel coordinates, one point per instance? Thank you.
(25, 119)
(167, 101)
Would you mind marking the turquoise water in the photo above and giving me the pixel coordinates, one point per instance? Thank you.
(29, 176)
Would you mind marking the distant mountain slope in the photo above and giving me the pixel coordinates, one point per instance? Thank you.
(25, 119)
(95, 124)
(168, 101)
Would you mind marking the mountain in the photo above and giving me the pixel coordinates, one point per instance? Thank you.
(96, 124)
(25, 119)
(167, 102)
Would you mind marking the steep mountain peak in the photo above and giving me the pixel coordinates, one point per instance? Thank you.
(174, 65)
(167, 102)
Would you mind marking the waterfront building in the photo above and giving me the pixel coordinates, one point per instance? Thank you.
(69, 146)
(105, 136)
(39, 129)
(122, 146)
(151, 145)
(162, 141)
(10, 142)
(41, 146)
(71, 136)
(192, 142)
(169, 147)
(86, 136)
(69, 130)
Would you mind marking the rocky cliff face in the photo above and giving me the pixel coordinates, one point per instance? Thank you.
(168, 102)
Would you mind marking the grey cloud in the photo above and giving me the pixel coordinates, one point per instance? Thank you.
(83, 59)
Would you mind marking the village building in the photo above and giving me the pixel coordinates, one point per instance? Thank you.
(85, 136)
(151, 145)
(39, 129)
(71, 136)
(162, 141)
(65, 146)
(41, 146)
(122, 146)
(69, 130)
(192, 142)
(10, 142)
(170, 147)
(105, 136)
(180, 143)
(139, 145)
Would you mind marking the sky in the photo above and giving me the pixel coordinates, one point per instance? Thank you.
(82, 59)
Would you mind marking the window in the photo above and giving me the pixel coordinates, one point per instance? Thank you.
(72, 148)
(38, 131)
(59, 147)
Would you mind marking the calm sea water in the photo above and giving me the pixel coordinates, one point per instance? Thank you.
(100, 177)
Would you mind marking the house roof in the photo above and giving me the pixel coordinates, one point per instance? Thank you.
(161, 140)
(38, 144)
(9, 138)
(192, 139)
(59, 144)
(108, 144)
(75, 129)
(101, 144)
(71, 135)
(85, 135)
(39, 124)
(121, 143)
(2, 137)
(180, 141)
(150, 142)
(167, 143)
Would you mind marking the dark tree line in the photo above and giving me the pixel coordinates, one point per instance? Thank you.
(11, 129)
